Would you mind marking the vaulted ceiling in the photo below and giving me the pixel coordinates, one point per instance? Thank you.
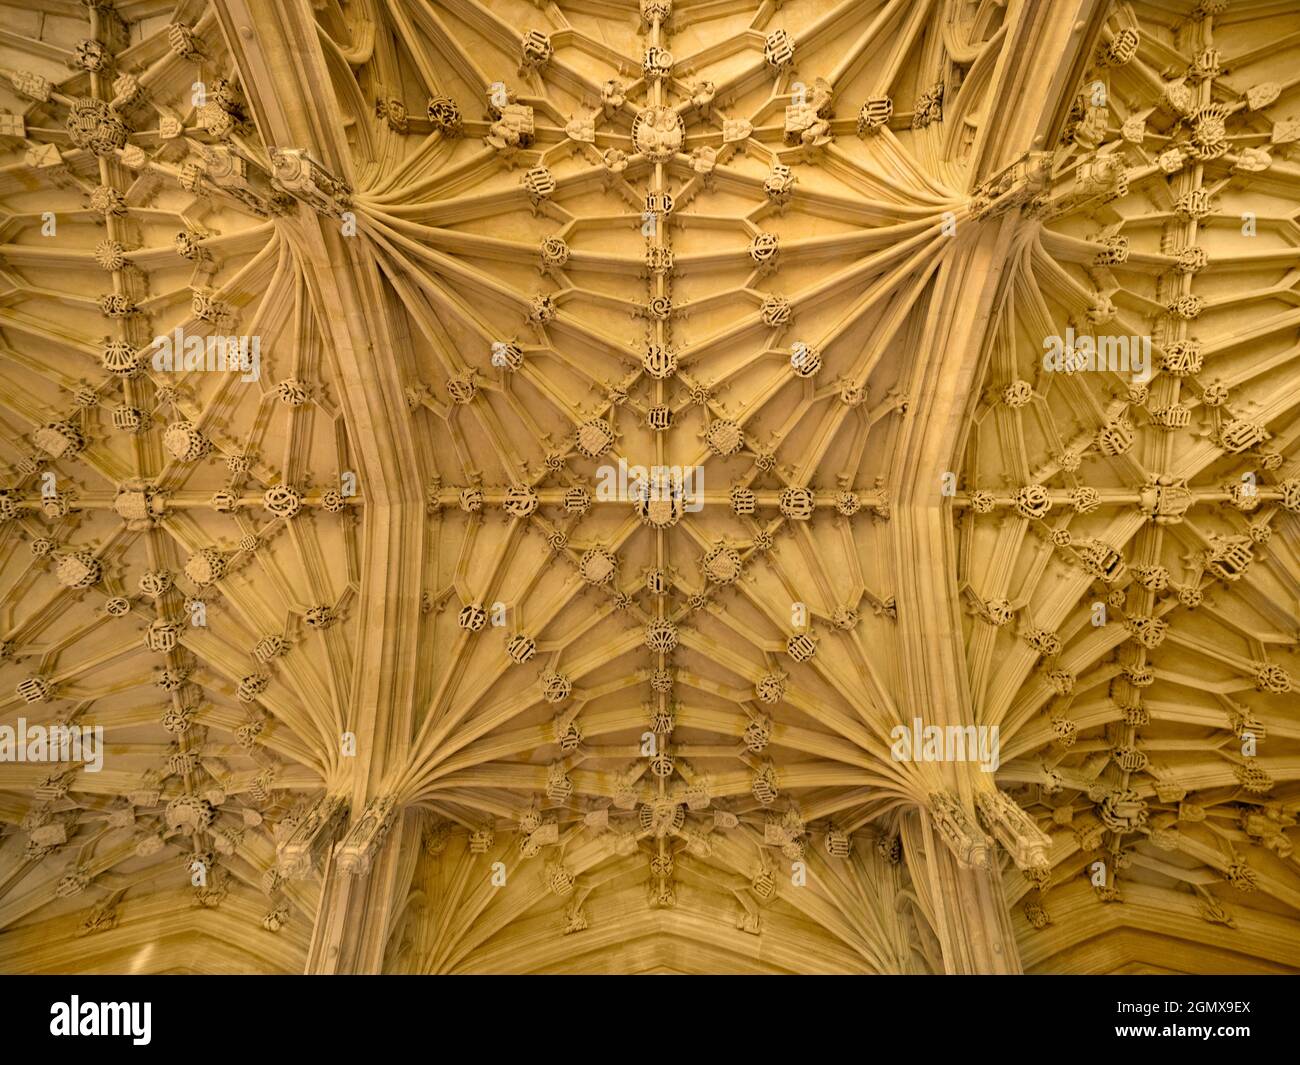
(397, 674)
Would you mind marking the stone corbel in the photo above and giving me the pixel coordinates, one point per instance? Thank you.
(232, 174)
(1018, 184)
(303, 178)
(1027, 844)
(959, 830)
(297, 856)
(367, 836)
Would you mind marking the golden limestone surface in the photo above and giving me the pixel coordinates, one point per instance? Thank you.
(681, 486)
